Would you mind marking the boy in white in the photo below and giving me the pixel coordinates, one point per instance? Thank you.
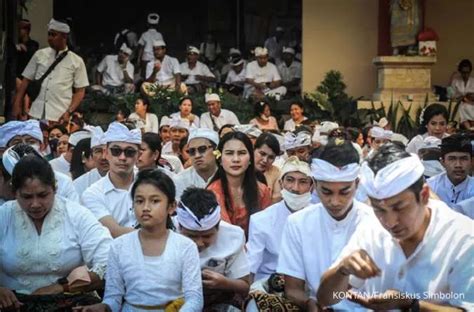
(417, 255)
(224, 264)
(265, 230)
(109, 198)
(314, 237)
(454, 185)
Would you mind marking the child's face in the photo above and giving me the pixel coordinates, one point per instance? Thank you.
(203, 239)
(152, 206)
(120, 117)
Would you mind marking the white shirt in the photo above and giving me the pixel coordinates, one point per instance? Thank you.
(169, 68)
(440, 264)
(225, 117)
(227, 255)
(70, 237)
(60, 164)
(288, 73)
(175, 162)
(55, 96)
(86, 180)
(167, 149)
(274, 48)
(414, 145)
(210, 50)
(312, 240)
(461, 88)
(466, 207)
(236, 79)
(104, 199)
(265, 232)
(199, 69)
(112, 71)
(290, 124)
(133, 278)
(146, 40)
(150, 124)
(267, 73)
(195, 122)
(189, 178)
(449, 193)
(65, 187)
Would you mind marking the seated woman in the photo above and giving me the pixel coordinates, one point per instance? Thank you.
(43, 238)
(263, 117)
(185, 112)
(81, 161)
(143, 119)
(150, 155)
(267, 149)
(235, 185)
(153, 268)
(224, 264)
(463, 89)
(297, 117)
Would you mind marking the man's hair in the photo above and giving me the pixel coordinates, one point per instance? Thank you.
(339, 152)
(200, 201)
(390, 153)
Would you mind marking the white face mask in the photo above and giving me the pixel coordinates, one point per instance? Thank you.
(36, 147)
(298, 201)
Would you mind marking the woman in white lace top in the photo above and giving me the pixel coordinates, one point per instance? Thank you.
(44, 237)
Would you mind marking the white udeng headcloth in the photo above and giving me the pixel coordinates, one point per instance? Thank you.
(118, 132)
(392, 179)
(325, 171)
(188, 220)
(98, 137)
(294, 141)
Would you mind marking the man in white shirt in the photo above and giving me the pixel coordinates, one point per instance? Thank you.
(265, 229)
(217, 117)
(196, 75)
(275, 45)
(109, 198)
(202, 143)
(179, 129)
(145, 43)
(262, 77)
(454, 185)
(290, 71)
(224, 264)
(101, 164)
(163, 70)
(64, 88)
(314, 237)
(416, 254)
(235, 79)
(115, 72)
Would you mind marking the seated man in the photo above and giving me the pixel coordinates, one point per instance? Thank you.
(298, 143)
(377, 137)
(196, 75)
(163, 71)
(225, 269)
(235, 79)
(415, 255)
(314, 237)
(115, 72)
(217, 117)
(262, 77)
(179, 129)
(290, 71)
(265, 230)
(454, 185)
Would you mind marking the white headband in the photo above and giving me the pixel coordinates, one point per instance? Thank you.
(325, 171)
(98, 137)
(288, 50)
(294, 141)
(212, 97)
(259, 51)
(204, 133)
(188, 220)
(77, 136)
(58, 26)
(153, 18)
(392, 179)
(193, 49)
(293, 164)
(8, 131)
(125, 49)
(379, 133)
(248, 129)
(32, 128)
(118, 132)
(177, 122)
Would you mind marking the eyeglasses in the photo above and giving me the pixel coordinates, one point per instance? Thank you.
(200, 149)
(129, 152)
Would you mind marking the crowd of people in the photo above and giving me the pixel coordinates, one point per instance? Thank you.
(210, 213)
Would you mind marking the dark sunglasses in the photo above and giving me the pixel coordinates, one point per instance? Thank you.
(117, 151)
(200, 149)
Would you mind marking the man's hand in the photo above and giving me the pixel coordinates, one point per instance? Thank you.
(359, 264)
(211, 279)
(8, 299)
(157, 66)
(64, 119)
(49, 290)
(389, 300)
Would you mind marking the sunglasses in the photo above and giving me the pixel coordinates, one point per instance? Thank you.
(129, 152)
(200, 149)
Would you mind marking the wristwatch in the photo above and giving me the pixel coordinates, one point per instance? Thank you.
(64, 283)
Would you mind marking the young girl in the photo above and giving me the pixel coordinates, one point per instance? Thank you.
(234, 184)
(152, 268)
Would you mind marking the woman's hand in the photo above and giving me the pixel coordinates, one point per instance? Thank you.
(49, 290)
(8, 299)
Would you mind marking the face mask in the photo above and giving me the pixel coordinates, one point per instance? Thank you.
(264, 117)
(432, 168)
(53, 144)
(298, 201)
(36, 148)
